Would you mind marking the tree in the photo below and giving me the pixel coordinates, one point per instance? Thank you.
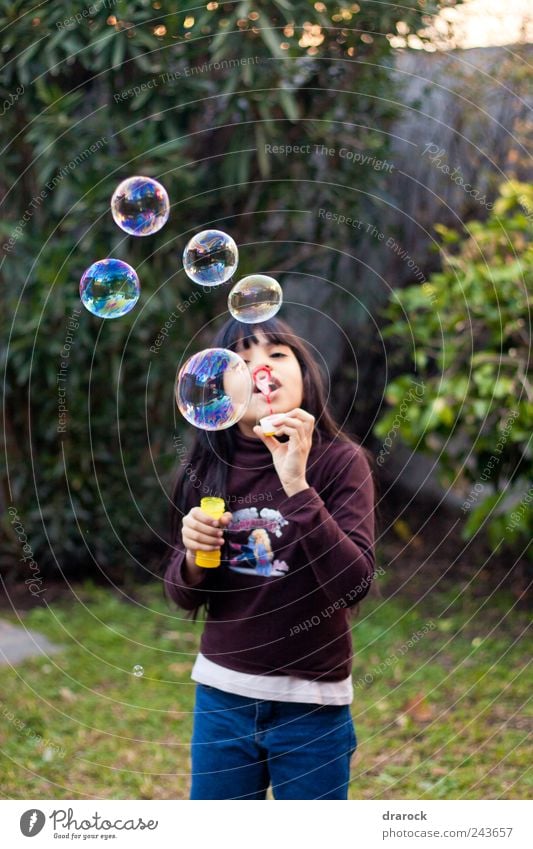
(470, 331)
(218, 104)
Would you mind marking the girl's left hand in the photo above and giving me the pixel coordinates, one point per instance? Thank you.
(290, 458)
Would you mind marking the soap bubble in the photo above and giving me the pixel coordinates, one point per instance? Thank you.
(210, 258)
(255, 298)
(110, 288)
(138, 671)
(140, 206)
(214, 389)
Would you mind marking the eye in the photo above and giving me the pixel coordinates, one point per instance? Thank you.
(278, 354)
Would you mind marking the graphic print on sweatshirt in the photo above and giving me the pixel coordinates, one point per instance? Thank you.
(254, 556)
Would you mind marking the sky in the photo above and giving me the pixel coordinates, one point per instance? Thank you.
(479, 23)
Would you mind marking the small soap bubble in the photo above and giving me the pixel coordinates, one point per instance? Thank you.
(140, 206)
(138, 671)
(255, 298)
(110, 288)
(214, 389)
(210, 258)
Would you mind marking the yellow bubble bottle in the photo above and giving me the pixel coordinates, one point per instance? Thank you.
(215, 508)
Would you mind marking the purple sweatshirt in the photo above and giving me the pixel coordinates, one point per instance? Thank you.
(291, 567)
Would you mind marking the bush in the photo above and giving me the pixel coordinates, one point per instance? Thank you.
(470, 329)
(94, 95)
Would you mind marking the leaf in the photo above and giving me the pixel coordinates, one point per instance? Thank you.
(270, 37)
(139, 101)
(289, 105)
(419, 709)
(479, 513)
(402, 530)
(262, 158)
(119, 51)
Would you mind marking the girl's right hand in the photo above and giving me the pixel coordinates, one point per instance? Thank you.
(202, 533)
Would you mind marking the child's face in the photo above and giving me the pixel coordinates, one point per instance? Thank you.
(285, 371)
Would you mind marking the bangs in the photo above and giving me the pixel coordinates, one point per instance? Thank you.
(235, 333)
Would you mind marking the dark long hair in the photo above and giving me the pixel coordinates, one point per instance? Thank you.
(211, 453)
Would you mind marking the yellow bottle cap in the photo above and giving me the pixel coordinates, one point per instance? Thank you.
(213, 506)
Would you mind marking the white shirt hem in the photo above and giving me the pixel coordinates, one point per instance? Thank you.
(279, 688)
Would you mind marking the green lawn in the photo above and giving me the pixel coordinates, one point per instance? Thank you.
(444, 719)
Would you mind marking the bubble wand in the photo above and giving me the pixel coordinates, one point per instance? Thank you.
(262, 377)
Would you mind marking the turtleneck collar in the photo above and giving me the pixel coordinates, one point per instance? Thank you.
(249, 444)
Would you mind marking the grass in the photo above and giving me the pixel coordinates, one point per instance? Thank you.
(445, 718)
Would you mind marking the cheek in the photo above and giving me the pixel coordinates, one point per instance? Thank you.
(295, 381)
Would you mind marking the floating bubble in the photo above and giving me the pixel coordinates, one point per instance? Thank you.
(214, 389)
(110, 288)
(138, 671)
(255, 298)
(140, 206)
(210, 258)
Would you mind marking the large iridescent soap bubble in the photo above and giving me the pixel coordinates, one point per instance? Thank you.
(214, 389)
(140, 206)
(109, 288)
(255, 298)
(210, 258)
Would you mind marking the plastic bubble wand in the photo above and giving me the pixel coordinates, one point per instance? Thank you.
(262, 377)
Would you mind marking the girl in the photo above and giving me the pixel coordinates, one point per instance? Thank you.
(274, 670)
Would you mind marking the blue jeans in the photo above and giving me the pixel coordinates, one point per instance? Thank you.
(241, 745)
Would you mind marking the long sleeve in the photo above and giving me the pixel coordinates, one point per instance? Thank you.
(184, 594)
(291, 565)
(338, 537)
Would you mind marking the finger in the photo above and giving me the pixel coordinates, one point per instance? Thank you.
(305, 424)
(291, 432)
(269, 441)
(292, 421)
(198, 546)
(206, 519)
(301, 414)
(201, 516)
(284, 420)
(199, 526)
(193, 538)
